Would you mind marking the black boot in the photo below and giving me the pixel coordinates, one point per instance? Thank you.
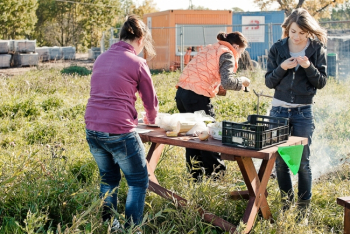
(303, 210)
(287, 200)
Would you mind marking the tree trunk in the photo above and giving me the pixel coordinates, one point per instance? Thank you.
(300, 3)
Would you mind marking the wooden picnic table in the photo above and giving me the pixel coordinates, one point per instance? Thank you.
(256, 182)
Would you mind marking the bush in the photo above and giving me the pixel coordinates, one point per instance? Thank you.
(76, 70)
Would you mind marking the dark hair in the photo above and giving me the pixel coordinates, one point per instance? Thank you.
(233, 38)
(306, 23)
(134, 28)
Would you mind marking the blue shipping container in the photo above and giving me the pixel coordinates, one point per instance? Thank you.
(260, 37)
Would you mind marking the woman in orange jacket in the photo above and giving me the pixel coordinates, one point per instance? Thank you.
(213, 67)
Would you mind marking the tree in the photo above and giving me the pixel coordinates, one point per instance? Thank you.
(75, 22)
(194, 7)
(237, 9)
(341, 13)
(129, 7)
(148, 6)
(57, 23)
(317, 8)
(97, 18)
(17, 18)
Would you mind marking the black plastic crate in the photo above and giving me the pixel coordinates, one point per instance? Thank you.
(257, 133)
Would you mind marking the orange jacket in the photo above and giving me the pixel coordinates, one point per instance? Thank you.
(201, 75)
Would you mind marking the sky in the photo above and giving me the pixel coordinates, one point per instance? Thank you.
(246, 5)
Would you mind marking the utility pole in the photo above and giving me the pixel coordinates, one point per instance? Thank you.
(191, 5)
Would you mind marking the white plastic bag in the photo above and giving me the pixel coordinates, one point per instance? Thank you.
(169, 122)
(199, 127)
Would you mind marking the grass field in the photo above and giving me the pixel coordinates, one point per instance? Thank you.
(49, 182)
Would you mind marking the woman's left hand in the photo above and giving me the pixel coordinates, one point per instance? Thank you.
(303, 61)
(145, 120)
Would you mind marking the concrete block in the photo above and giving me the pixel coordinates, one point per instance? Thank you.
(24, 46)
(43, 53)
(26, 59)
(68, 52)
(55, 53)
(5, 60)
(4, 47)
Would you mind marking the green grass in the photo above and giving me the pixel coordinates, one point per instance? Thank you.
(49, 182)
(82, 71)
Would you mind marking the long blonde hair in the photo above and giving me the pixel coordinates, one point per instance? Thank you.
(134, 28)
(306, 23)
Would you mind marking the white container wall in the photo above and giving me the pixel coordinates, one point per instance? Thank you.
(5, 60)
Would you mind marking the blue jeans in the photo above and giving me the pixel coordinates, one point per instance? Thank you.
(301, 123)
(120, 152)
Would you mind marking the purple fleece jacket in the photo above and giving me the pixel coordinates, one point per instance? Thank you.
(117, 75)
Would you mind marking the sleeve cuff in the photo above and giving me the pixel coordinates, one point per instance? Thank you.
(280, 71)
(310, 70)
(239, 84)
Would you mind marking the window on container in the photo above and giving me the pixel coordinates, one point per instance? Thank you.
(196, 36)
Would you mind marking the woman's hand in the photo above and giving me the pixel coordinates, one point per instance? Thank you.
(245, 82)
(303, 61)
(289, 63)
(145, 120)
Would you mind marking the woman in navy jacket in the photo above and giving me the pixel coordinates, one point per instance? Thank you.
(296, 69)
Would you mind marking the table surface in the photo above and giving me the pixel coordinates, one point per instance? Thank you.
(158, 135)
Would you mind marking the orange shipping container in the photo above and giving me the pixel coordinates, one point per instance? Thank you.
(198, 28)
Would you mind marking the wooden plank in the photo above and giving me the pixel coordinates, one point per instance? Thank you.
(346, 221)
(152, 160)
(158, 135)
(256, 190)
(261, 193)
(154, 154)
(344, 201)
(238, 195)
(207, 216)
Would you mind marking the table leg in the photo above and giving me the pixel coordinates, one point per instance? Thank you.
(346, 220)
(256, 188)
(153, 157)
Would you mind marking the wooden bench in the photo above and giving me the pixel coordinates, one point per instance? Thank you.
(345, 202)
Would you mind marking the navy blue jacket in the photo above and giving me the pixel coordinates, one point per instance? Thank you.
(298, 86)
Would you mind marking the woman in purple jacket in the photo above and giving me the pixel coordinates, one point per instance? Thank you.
(111, 118)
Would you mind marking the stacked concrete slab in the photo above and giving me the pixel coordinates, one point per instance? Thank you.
(55, 53)
(94, 52)
(30, 59)
(22, 46)
(68, 52)
(44, 53)
(23, 52)
(5, 57)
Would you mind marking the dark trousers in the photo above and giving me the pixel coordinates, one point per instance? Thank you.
(188, 101)
(301, 121)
